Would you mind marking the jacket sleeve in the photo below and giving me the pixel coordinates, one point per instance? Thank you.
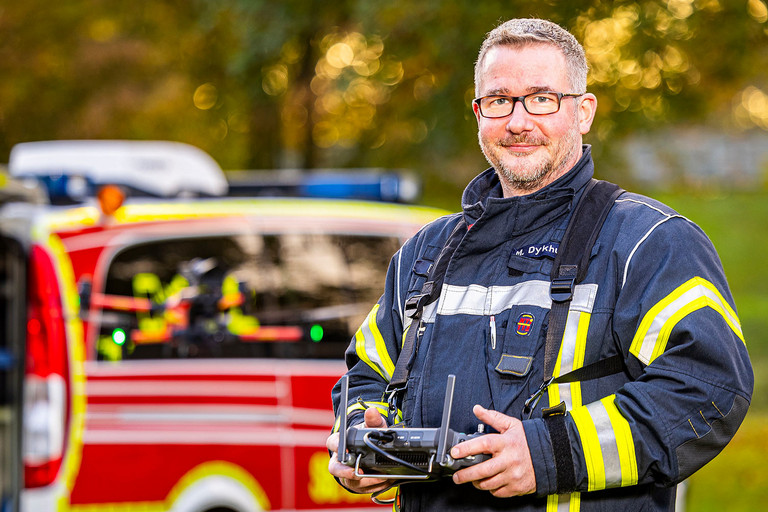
(690, 378)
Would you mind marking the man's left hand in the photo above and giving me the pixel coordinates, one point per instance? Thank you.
(510, 471)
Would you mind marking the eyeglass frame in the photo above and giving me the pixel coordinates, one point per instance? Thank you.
(521, 99)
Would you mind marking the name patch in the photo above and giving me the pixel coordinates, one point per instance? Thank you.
(548, 250)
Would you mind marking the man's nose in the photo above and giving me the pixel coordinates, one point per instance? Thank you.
(519, 120)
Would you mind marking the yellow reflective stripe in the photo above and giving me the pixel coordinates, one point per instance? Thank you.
(569, 358)
(652, 336)
(575, 502)
(624, 442)
(370, 346)
(564, 502)
(608, 447)
(590, 443)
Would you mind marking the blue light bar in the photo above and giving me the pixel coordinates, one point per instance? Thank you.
(371, 185)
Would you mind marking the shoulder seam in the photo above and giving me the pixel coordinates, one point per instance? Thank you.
(667, 216)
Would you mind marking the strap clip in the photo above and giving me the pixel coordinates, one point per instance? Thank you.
(394, 391)
(415, 305)
(533, 400)
(561, 289)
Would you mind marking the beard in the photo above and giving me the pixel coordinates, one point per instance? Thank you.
(518, 171)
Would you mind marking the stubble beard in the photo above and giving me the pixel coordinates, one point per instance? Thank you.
(524, 179)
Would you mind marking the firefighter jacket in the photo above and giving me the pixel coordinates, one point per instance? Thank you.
(655, 293)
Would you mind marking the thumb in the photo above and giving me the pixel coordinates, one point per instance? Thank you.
(374, 419)
(494, 419)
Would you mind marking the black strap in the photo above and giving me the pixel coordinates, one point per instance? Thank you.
(561, 448)
(570, 268)
(596, 370)
(572, 261)
(414, 308)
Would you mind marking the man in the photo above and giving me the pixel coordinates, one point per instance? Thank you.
(654, 297)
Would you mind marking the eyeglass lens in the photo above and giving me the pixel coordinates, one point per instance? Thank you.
(536, 103)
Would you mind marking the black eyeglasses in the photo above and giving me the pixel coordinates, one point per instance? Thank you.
(536, 103)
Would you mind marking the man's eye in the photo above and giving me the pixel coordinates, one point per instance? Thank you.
(499, 101)
(542, 98)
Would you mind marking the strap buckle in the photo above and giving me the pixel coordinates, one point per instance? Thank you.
(561, 289)
(415, 305)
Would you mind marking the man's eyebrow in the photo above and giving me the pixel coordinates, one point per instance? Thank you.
(503, 91)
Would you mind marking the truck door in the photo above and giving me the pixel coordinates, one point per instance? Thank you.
(12, 313)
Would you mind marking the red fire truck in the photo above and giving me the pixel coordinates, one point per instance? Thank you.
(176, 350)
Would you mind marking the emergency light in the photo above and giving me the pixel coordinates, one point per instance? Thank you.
(361, 184)
(72, 170)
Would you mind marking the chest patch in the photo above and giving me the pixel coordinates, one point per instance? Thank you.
(524, 324)
(548, 250)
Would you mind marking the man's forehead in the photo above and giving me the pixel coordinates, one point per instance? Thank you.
(531, 66)
(535, 51)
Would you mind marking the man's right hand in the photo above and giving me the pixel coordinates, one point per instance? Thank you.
(346, 474)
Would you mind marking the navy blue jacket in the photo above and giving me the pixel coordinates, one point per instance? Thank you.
(655, 293)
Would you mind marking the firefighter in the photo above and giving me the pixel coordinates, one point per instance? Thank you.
(654, 299)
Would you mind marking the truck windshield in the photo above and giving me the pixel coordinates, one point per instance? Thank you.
(289, 295)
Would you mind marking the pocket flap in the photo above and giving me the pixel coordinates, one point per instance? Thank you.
(514, 365)
(524, 264)
(422, 267)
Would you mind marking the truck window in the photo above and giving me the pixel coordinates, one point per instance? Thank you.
(290, 295)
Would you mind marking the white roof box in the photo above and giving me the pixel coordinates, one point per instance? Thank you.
(158, 168)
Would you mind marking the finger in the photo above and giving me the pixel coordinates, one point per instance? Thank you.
(498, 492)
(491, 484)
(374, 419)
(340, 470)
(332, 443)
(348, 479)
(365, 485)
(474, 473)
(499, 421)
(483, 444)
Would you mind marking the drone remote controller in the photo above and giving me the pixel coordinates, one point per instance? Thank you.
(403, 453)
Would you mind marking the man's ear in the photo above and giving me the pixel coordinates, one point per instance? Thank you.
(586, 112)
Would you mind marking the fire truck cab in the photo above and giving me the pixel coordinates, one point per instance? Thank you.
(170, 346)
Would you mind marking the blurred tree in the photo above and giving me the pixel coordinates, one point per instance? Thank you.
(304, 83)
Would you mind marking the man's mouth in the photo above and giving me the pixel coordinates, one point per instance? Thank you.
(523, 145)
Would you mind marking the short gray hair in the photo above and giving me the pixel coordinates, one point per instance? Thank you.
(526, 31)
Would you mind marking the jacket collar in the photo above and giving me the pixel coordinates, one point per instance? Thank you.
(484, 204)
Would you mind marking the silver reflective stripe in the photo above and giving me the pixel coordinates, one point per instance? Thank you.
(483, 300)
(608, 446)
(371, 348)
(651, 338)
(570, 335)
(568, 350)
(428, 316)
